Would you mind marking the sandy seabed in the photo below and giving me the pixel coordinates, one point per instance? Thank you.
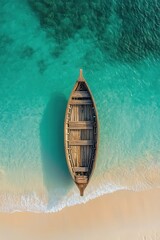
(120, 215)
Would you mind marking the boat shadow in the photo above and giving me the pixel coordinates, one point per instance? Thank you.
(55, 171)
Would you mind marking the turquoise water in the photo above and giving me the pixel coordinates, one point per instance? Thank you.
(43, 45)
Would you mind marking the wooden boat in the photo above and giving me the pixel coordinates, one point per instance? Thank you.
(81, 134)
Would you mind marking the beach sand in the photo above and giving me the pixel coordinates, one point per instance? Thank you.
(120, 215)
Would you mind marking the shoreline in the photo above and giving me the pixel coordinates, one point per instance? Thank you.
(37, 202)
(119, 215)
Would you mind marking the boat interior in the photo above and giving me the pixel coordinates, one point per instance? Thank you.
(81, 133)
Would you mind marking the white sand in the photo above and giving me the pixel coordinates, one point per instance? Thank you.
(120, 215)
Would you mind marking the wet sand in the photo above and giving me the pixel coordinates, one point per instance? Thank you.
(120, 215)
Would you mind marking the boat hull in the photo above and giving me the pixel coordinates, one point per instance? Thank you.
(81, 134)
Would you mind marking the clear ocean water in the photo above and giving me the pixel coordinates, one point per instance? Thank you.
(43, 44)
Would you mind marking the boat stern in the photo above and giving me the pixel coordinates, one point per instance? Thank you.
(81, 182)
(81, 188)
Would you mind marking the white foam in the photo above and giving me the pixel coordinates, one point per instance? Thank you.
(33, 203)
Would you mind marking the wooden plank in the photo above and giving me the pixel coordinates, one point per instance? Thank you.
(80, 169)
(81, 125)
(81, 180)
(80, 142)
(79, 94)
(81, 102)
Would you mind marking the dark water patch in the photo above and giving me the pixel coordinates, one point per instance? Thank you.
(140, 32)
(42, 66)
(64, 62)
(56, 175)
(123, 30)
(5, 42)
(27, 52)
(57, 51)
(62, 19)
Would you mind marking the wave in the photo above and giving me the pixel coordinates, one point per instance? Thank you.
(111, 181)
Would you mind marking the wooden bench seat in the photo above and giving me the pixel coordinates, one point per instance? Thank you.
(81, 125)
(80, 94)
(81, 179)
(80, 142)
(81, 102)
(80, 169)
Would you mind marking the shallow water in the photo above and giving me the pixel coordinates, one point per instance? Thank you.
(41, 51)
